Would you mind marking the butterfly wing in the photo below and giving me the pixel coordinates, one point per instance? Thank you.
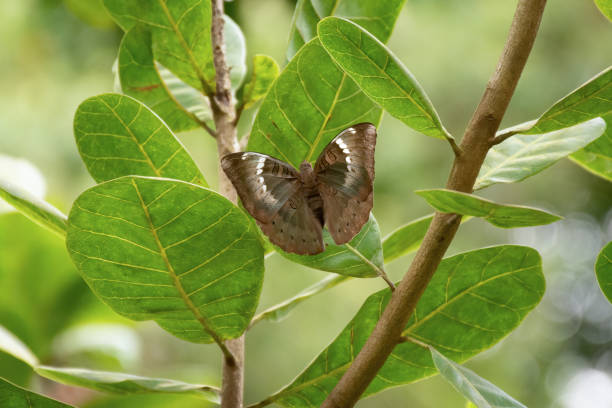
(345, 176)
(264, 184)
(295, 227)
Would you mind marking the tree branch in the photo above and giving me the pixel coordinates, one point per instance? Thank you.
(224, 113)
(474, 145)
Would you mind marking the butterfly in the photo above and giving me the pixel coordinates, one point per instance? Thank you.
(292, 206)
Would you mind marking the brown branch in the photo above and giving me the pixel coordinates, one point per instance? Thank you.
(502, 137)
(475, 144)
(224, 113)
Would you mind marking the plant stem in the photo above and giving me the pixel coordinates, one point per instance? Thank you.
(474, 146)
(224, 114)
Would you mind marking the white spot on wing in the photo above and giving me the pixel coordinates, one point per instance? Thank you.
(260, 165)
(339, 141)
(260, 180)
(244, 156)
(259, 171)
(352, 131)
(342, 145)
(347, 151)
(264, 188)
(261, 159)
(348, 159)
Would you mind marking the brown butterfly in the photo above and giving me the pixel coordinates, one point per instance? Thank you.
(291, 207)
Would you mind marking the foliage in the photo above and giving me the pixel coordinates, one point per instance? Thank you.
(154, 242)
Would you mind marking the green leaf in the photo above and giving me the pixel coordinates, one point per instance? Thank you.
(169, 251)
(265, 71)
(377, 17)
(119, 136)
(473, 387)
(12, 396)
(36, 209)
(603, 270)
(362, 257)
(118, 383)
(281, 310)
(597, 156)
(473, 301)
(503, 216)
(380, 74)
(524, 155)
(605, 6)
(308, 105)
(141, 79)
(235, 52)
(180, 32)
(592, 99)
(406, 238)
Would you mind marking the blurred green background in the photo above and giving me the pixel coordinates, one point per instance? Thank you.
(54, 54)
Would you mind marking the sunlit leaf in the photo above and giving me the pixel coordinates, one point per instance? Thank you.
(380, 74)
(378, 17)
(119, 136)
(362, 257)
(169, 251)
(281, 310)
(603, 270)
(36, 209)
(473, 387)
(605, 6)
(12, 396)
(523, 155)
(265, 71)
(597, 156)
(100, 380)
(500, 215)
(473, 301)
(141, 79)
(180, 32)
(308, 105)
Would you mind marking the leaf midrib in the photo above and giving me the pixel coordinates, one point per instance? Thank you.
(404, 333)
(175, 280)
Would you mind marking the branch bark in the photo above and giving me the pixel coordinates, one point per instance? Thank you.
(477, 140)
(224, 114)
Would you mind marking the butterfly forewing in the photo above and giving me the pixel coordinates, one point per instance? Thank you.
(295, 228)
(263, 183)
(345, 175)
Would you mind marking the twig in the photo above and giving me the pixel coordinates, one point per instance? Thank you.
(207, 128)
(224, 112)
(500, 138)
(475, 144)
(456, 149)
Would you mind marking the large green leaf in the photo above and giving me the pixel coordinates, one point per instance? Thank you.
(12, 396)
(378, 17)
(281, 310)
(597, 156)
(141, 79)
(380, 74)
(308, 105)
(265, 71)
(169, 251)
(180, 32)
(592, 99)
(36, 209)
(105, 381)
(473, 387)
(523, 155)
(473, 301)
(119, 136)
(603, 270)
(362, 257)
(500, 215)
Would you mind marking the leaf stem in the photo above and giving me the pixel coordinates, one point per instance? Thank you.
(475, 145)
(380, 272)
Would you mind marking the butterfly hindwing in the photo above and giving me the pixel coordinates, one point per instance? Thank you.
(345, 175)
(295, 228)
(263, 183)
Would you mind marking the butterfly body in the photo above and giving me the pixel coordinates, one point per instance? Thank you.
(292, 206)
